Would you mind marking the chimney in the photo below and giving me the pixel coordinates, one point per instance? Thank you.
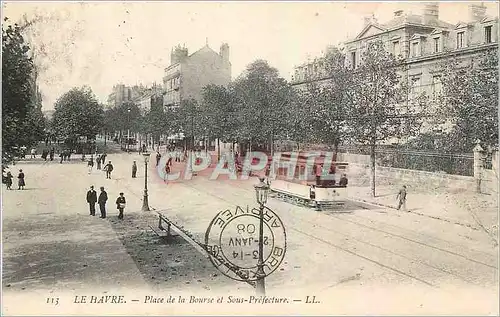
(178, 55)
(431, 12)
(398, 13)
(477, 12)
(224, 52)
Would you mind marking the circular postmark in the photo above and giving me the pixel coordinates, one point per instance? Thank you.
(232, 241)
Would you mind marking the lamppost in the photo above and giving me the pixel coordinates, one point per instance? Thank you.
(128, 128)
(145, 204)
(261, 192)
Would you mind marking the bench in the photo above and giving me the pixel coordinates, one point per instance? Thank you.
(161, 231)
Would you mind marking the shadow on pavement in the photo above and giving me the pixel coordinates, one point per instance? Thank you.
(165, 263)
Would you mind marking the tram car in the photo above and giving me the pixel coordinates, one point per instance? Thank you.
(308, 185)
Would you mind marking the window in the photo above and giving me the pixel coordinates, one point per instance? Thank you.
(415, 49)
(436, 45)
(353, 59)
(415, 86)
(437, 85)
(487, 34)
(395, 48)
(460, 39)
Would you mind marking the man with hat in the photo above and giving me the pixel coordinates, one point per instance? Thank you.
(120, 205)
(103, 198)
(91, 200)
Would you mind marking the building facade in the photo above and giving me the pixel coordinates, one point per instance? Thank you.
(149, 98)
(187, 74)
(422, 40)
(122, 94)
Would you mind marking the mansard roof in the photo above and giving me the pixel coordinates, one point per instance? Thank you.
(401, 21)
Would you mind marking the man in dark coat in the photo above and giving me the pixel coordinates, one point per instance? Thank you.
(20, 178)
(134, 170)
(103, 157)
(120, 205)
(92, 199)
(103, 198)
(108, 168)
(158, 157)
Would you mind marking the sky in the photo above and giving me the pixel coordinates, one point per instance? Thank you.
(100, 44)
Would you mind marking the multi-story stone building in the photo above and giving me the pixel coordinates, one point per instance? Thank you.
(188, 74)
(422, 40)
(121, 94)
(149, 98)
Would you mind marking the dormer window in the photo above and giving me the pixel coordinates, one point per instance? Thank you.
(461, 39)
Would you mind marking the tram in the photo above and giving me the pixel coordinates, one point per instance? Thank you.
(312, 185)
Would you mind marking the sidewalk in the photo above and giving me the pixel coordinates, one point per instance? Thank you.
(478, 211)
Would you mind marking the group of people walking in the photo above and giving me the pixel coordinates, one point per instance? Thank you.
(99, 160)
(92, 199)
(20, 180)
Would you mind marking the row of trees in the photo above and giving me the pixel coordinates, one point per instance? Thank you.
(369, 105)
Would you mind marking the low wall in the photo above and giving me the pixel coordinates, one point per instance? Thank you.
(359, 175)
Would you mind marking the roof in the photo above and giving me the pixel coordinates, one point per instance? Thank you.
(402, 20)
(415, 19)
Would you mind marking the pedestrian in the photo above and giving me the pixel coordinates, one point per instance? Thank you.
(103, 198)
(33, 153)
(108, 168)
(318, 171)
(44, 154)
(167, 171)
(90, 164)
(402, 198)
(98, 161)
(343, 180)
(134, 169)
(158, 157)
(62, 157)
(120, 205)
(144, 148)
(91, 200)
(51, 154)
(103, 157)
(20, 178)
(169, 162)
(8, 180)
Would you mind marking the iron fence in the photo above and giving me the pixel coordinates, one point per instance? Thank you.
(457, 164)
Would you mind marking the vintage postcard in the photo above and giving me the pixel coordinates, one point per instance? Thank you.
(249, 158)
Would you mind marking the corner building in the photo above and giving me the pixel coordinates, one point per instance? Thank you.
(187, 74)
(423, 41)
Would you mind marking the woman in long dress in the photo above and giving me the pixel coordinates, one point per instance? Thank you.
(20, 178)
(8, 180)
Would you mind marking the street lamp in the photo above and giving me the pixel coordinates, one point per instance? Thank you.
(128, 128)
(261, 192)
(145, 204)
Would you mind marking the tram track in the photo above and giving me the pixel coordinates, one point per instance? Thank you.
(366, 258)
(237, 195)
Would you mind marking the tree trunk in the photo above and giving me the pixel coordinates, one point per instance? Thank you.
(335, 149)
(372, 169)
(218, 149)
(105, 137)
